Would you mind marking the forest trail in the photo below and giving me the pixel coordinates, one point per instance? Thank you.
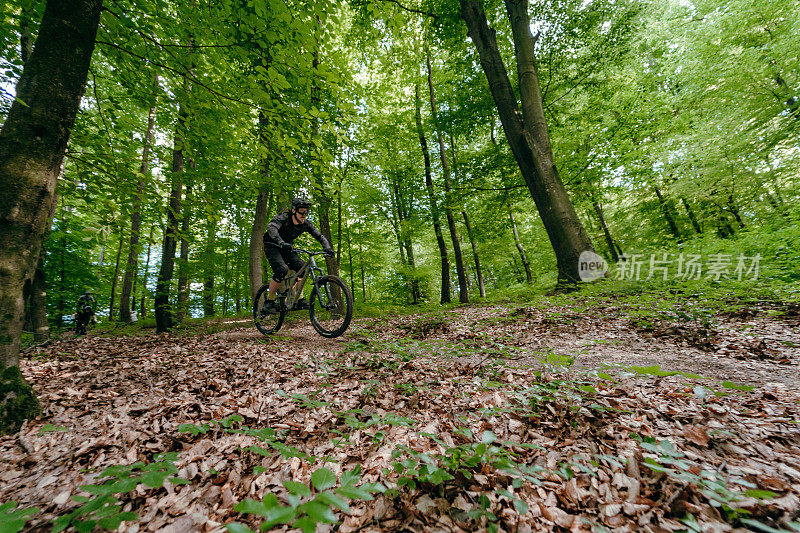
(579, 443)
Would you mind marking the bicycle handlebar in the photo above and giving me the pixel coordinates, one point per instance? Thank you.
(309, 252)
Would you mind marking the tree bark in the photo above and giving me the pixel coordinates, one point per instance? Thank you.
(612, 246)
(665, 209)
(164, 313)
(116, 277)
(478, 270)
(521, 250)
(692, 216)
(33, 141)
(256, 268)
(210, 262)
(437, 226)
(527, 133)
(463, 291)
(145, 274)
(183, 264)
(136, 217)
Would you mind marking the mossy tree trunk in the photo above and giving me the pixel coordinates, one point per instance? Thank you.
(33, 141)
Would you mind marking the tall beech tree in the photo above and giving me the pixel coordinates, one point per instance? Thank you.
(136, 215)
(437, 225)
(527, 131)
(33, 141)
(463, 291)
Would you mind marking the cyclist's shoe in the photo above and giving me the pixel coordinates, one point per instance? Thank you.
(302, 303)
(271, 307)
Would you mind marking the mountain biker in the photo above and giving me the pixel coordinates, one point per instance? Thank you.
(85, 312)
(282, 230)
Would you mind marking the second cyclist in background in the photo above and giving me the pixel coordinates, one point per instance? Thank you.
(282, 230)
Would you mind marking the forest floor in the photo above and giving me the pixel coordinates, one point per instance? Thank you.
(555, 416)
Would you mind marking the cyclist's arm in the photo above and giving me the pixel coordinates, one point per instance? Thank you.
(272, 229)
(317, 235)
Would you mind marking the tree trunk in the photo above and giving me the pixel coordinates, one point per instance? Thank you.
(320, 190)
(363, 280)
(437, 226)
(463, 291)
(478, 271)
(350, 257)
(210, 262)
(692, 217)
(62, 276)
(665, 209)
(26, 39)
(136, 217)
(183, 264)
(528, 134)
(257, 243)
(33, 140)
(163, 310)
(612, 248)
(37, 296)
(145, 275)
(116, 277)
(521, 250)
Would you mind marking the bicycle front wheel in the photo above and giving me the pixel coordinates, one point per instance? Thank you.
(267, 322)
(331, 306)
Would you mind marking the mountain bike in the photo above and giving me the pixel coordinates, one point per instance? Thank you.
(82, 319)
(330, 304)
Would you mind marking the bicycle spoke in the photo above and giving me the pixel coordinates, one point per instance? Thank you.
(268, 321)
(331, 306)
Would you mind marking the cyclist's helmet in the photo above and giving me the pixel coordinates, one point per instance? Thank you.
(299, 202)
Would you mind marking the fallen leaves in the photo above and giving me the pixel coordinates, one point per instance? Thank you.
(355, 401)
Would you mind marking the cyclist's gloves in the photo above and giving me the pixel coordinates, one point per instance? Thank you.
(286, 247)
(329, 252)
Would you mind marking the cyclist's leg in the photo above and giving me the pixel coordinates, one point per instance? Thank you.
(279, 271)
(296, 263)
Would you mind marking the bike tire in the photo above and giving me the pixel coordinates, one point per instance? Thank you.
(80, 329)
(329, 319)
(267, 324)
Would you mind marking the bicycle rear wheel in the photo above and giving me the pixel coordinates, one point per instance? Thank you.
(331, 306)
(267, 323)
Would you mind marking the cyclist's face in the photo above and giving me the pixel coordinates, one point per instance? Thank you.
(301, 214)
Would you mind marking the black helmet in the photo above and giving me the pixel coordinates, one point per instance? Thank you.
(299, 202)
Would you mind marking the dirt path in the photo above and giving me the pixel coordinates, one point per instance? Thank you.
(757, 350)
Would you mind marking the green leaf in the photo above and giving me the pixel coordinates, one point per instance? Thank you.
(732, 385)
(153, 479)
(297, 488)
(331, 499)
(113, 522)
(352, 477)
(235, 527)
(760, 494)
(354, 493)
(488, 437)
(319, 511)
(306, 524)
(323, 478)
(252, 507)
(279, 515)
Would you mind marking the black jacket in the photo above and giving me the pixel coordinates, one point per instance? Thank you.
(282, 229)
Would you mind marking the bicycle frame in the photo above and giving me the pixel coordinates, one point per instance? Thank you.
(287, 289)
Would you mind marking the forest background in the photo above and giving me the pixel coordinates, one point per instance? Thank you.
(674, 128)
